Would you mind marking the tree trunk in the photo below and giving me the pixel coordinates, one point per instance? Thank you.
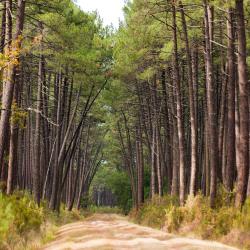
(212, 124)
(140, 165)
(13, 159)
(193, 121)
(8, 78)
(3, 28)
(37, 137)
(229, 173)
(242, 150)
(176, 78)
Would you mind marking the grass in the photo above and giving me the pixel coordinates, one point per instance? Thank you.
(104, 210)
(19, 217)
(25, 226)
(225, 223)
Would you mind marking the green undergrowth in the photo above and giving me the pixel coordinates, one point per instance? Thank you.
(19, 215)
(25, 226)
(104, 210)
(225, 223)
(152, 213)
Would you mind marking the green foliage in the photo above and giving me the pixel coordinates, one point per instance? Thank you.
(105, 210)
(242, 220)
(49, 234)
(147, 74)
(64, 217)
(19, 215)
(197, 218)
(166, 51)
(6, 217)
(118, 183)
(3, 186)
(18, 116)
(207, 223)
(174, 217)
(53, 221)
(152, 213)
(24, 225)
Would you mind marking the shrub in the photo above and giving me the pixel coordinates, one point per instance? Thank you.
(106, 210)
(198, 218)
(19, 214)
(242, 220)
(6, 217)
(174, 217)
(152, 213)
(23, 225)
(208, 223)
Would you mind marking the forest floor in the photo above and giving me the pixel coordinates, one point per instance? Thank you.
(115, 232)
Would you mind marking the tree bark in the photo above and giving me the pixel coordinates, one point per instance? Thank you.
(212, 124)
(37, 137)
(242, 150)
(176, 78)
(230, 105)
(193, 121)
(3, 27)
(8, 78)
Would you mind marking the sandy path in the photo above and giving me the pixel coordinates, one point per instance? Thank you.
(113, 232)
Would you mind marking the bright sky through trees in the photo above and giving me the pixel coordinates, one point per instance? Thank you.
(109, 10)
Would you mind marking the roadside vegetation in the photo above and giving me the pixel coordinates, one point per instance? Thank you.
(197, 219)
(133, 120)
(104, 210)
(24, 225)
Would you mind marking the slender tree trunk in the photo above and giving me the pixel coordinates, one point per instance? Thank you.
(212, 124)
(175, 144)
(153, 172)
(3, 28)
(9, 72)
(37, 137)
(230, 105)
(176, 77)
(140, 165)
(242, 150)
(158, 162)
(13, 159)
(193, 121)
(55, 181)
(6, 103)
(168, 159)
(84, 165)
(222, 119)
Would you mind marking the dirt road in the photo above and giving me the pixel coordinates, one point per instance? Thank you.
(113, 232)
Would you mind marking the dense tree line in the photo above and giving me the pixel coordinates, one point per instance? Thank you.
(54, 65)
(180, 108)
(164, 99)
